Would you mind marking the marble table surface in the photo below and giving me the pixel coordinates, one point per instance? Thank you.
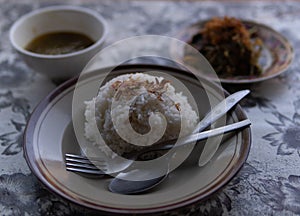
(269, 182)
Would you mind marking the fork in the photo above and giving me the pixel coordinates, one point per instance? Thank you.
(97, 166)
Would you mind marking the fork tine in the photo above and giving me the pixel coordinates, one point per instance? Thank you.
(81, 157)
(84, 160)
(85, 166)
(86, 171)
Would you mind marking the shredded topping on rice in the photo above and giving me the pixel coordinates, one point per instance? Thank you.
(177, 105)
(131, 87)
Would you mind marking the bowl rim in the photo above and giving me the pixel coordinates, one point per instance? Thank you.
(57, 8)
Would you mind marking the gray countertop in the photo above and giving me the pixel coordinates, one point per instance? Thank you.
(269, 182)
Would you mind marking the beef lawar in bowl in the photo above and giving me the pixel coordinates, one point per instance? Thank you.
(240, 51)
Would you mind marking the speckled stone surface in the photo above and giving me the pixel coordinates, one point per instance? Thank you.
(268, 184)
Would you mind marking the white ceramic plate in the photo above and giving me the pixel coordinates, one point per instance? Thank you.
(49, 135)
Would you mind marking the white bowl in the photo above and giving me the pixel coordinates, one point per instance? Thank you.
(55, 19)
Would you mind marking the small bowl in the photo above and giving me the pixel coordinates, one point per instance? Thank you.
(57, 19)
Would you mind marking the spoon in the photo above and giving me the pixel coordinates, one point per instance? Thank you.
(224, 106)
(122, 186)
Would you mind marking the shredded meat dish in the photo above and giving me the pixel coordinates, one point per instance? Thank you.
(231, 48)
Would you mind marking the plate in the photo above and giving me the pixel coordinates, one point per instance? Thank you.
(49, 135)
(277, 53)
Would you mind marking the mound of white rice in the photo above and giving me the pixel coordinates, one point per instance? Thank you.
(156, 95)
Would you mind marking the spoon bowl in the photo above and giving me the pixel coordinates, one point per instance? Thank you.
(122, 186)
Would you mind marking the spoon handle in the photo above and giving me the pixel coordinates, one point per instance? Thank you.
(166, 145)
(213, 132)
